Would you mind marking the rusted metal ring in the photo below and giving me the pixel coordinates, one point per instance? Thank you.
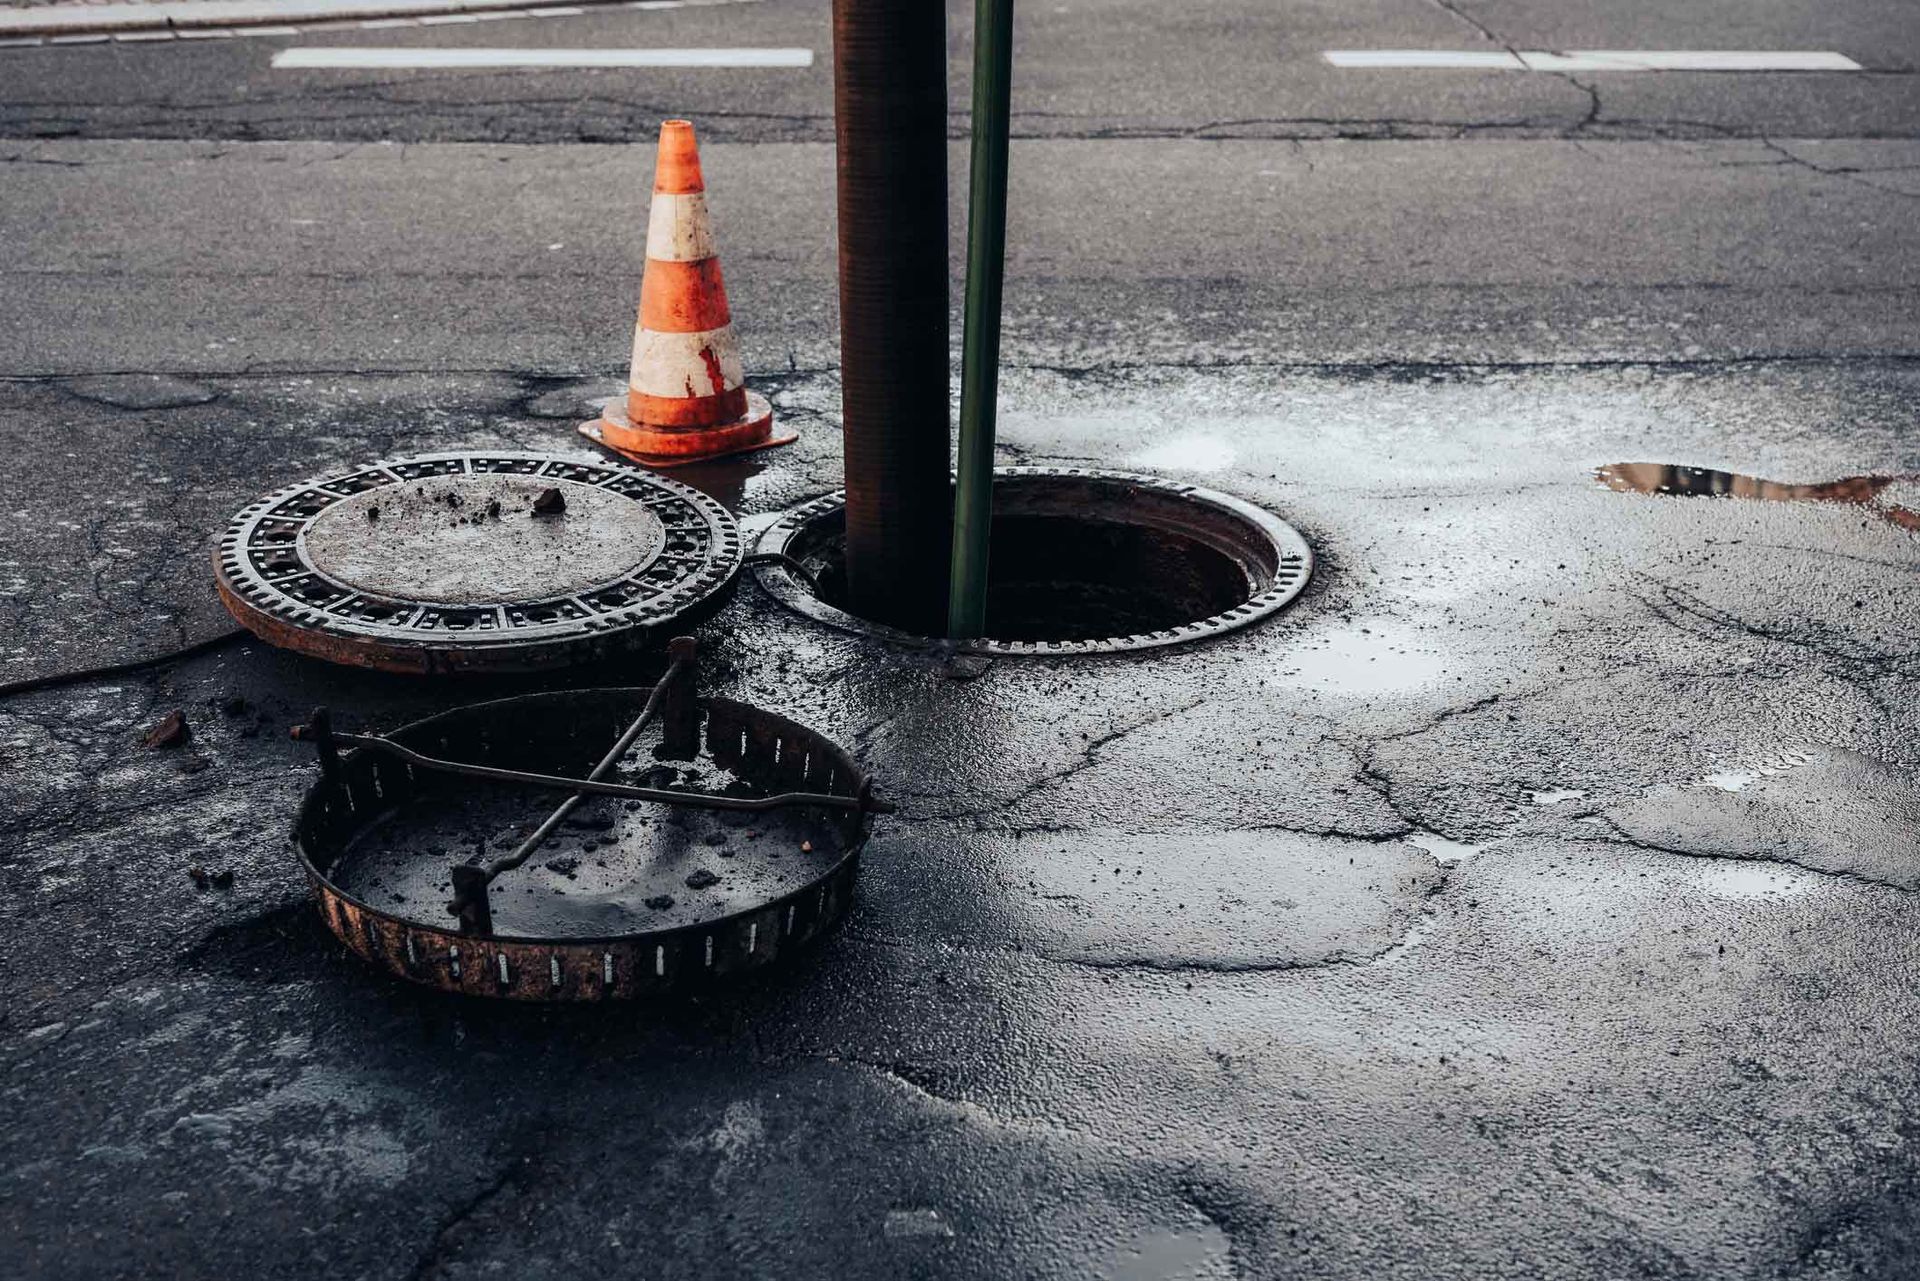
(367, 786)
(276, 583)
(1277, 559)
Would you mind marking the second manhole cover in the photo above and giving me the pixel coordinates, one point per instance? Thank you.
(487, 561)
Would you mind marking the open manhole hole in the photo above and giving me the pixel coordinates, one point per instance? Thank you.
(1082, 562)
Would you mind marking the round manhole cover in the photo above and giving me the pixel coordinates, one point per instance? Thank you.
(476, 561)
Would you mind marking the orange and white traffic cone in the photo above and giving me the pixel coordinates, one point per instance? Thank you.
(687, 398)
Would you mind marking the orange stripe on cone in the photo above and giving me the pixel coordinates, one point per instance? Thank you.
(676, 171)
(686, 411)
(683, 297)
(686, 394)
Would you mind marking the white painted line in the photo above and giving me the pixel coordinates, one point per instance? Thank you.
(351, 58)
(337, 24)
(1423, 58)
(1597, 59)
(43, 20)
(1688, 60)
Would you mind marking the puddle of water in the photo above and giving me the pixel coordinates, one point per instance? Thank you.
(1557, 795)
(1171, 1255)
(1869, 492)
(1731, 879)
(910, 1225)
(1188, 453)
(1734, 780)
(1366, 660)
(726, 480)
(1445, 852)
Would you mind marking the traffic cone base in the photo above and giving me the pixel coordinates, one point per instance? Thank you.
(656, 446)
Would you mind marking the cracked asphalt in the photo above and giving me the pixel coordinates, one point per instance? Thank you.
(1538, 896)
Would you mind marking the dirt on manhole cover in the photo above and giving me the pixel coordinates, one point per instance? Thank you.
(477, 562)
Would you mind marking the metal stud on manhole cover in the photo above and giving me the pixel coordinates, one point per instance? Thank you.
(489, 561)
(710, 838)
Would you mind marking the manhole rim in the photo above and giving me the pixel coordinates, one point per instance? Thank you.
(288, 622)
(409, 948)
(1293, 557)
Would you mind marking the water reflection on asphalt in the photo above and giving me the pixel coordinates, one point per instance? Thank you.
(1869, 492)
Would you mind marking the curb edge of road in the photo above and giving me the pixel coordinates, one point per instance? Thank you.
(178, 15)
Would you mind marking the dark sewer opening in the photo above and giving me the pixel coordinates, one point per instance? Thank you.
(1062, 578)
(1081, 562)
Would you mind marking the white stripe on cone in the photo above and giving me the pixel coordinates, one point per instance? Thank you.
(677, 364)
(678, 229)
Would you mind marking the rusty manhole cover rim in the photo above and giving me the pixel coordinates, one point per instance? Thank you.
(1266, 538)
(541, 967)
(270, 582)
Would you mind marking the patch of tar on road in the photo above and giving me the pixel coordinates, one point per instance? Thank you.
(141, 391)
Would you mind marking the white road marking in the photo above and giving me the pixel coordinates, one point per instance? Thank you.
(358, 58)
(314, 17)
(1597, 59)
(1423, 58)
(1689, 60)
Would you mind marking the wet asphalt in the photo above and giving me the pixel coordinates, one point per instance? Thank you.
(1535, 897)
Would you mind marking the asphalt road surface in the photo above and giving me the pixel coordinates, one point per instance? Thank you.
(1536, 897)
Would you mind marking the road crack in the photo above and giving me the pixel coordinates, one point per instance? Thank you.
(444, 1241)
